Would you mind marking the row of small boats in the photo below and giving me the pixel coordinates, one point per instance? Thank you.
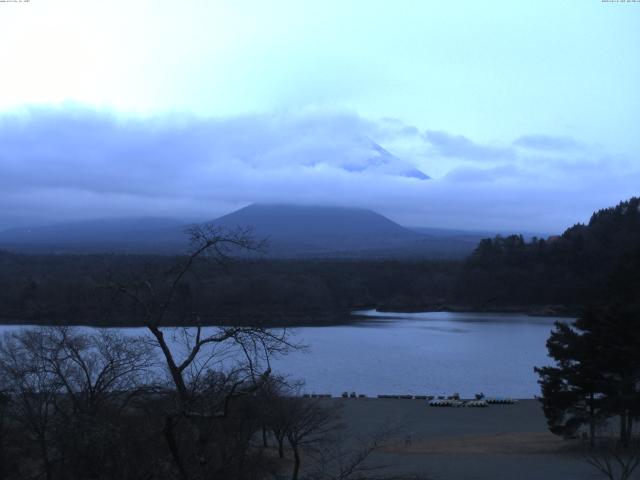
(477, 403)
(441, 401)
(457, 403)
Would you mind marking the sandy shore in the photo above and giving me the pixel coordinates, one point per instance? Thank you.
(497, 442)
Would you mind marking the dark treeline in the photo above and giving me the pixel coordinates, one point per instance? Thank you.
(79, 288)
(503, 273)
(570, 269)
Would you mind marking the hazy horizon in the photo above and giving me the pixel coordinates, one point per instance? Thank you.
(194, 220)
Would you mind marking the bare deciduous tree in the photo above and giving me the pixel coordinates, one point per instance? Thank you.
(613, 460)
(351, 458)
(33, 392)
(66, 389)
(240, 355)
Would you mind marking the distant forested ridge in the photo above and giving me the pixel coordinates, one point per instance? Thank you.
(79, 289)
(570, 269)
(554, 275)
(292, 231)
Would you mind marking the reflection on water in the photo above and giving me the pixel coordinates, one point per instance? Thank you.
(445, 329)
(419, 353)
(425, 353)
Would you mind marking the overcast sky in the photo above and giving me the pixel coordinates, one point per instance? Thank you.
(506, 115)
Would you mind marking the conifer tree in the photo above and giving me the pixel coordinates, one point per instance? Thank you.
(597, 372)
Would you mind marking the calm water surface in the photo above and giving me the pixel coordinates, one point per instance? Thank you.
(420, 353)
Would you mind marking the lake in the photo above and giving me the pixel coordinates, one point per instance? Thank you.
(420, 353)
(425, 353)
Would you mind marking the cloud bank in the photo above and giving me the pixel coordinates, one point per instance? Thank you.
(73, 163)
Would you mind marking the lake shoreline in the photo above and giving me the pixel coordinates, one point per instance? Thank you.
(335, 318)
(532, 310)
(437, 353)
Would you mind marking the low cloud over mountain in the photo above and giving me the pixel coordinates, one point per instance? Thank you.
(71, 163)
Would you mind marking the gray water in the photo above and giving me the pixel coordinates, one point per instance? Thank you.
(419, 353)
(425, 353)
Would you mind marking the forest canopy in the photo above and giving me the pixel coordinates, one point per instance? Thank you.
(553, 275)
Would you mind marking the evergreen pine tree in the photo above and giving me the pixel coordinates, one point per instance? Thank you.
(597, 372)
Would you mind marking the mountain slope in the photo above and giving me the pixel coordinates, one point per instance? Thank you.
(293, 231)
(308, 222)
(122, 235)
(297, 230)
